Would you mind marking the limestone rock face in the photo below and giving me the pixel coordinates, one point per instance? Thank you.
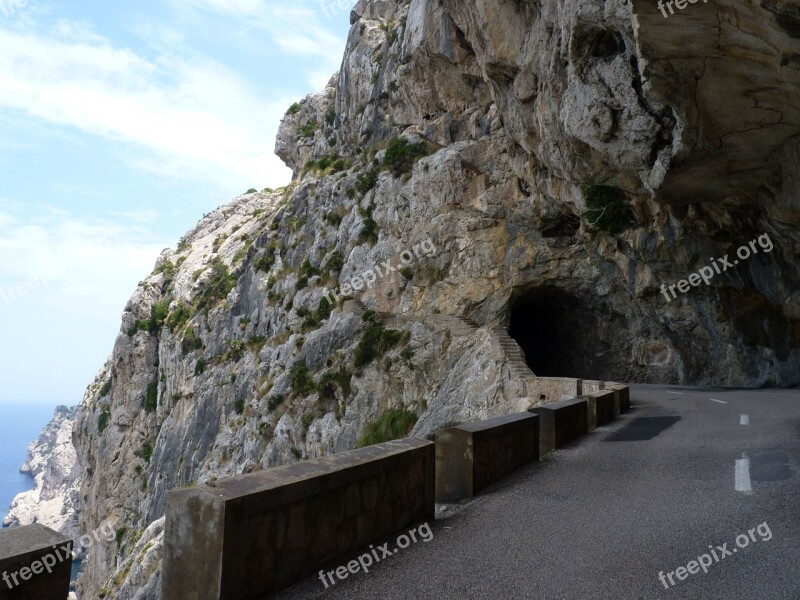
(734, 93)
(452, 158)
(690, 108)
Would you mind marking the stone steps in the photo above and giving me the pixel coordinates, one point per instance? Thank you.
(383, 316)
(521, 374)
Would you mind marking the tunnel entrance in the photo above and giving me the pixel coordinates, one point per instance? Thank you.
(562, 335)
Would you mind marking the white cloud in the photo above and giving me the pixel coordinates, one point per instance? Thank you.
(139, 216)
(6, 220)
(157, 102)
(97, 257)
(63, 285)
(300, 28)
(189, 117)
(237, 8)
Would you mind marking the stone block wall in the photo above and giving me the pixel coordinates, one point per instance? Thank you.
(623, 395)
(561, 422)
(470, 457)
(590, 385)
(250, 535)
(35, 564)
(602, 407)
(553, 389)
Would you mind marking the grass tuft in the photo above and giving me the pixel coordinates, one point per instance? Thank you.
(394, 424)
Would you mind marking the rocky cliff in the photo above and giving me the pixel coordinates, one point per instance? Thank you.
(474, 165)
(53, 465)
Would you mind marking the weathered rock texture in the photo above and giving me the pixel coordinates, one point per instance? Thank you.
(518, 104)
(53, 464)
(290, 521)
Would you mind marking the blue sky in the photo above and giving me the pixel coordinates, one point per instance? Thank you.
(120, 125)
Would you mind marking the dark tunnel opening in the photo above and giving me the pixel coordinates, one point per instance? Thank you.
(562, 335)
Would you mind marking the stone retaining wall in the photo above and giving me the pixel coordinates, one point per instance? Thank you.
(470, 457)
(247, 536)
(554, 389)
(250, 535)
(561, 422)
(35, 564)
(602, 407)
(623, 396)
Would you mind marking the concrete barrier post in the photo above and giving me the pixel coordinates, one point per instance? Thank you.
(601, 407)
(561, 422)
(624, 396)
(248, 536)
(35, 564)
(470, 457)
(617, 408)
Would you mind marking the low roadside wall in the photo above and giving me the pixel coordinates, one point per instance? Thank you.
(561, 422)
(590, 385)
(623, 395)
(553, 389)
(602, 407)
(250, 535)
(471, 456)
(35, 564)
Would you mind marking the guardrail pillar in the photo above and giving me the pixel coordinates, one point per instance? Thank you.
(35, 564)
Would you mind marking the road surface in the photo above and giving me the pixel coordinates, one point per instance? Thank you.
(615, 514)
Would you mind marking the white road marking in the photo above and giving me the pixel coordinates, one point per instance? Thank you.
(676, 393)
(720, 401)
(744, 420)
(742, 474)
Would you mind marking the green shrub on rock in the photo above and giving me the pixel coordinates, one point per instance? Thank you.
(401, 155)
(151, 397)
(394, 424)
(302, 384)
(102, 421)
(607, 208)
(217, 287)
(274, 402)
(375, 341)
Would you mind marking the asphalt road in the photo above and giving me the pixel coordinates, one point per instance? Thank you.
(685, 469)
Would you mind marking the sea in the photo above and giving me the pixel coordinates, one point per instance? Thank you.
(20, 424)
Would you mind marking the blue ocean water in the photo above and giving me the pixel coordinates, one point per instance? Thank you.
(19, 425)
